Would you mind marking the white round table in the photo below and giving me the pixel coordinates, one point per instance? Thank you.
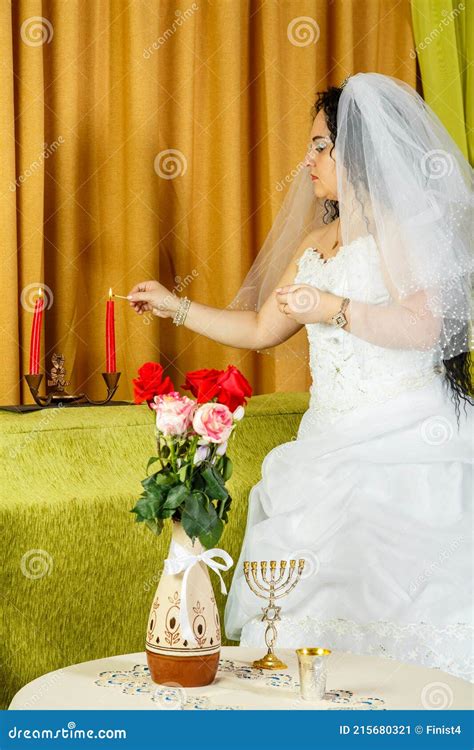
(353, 682)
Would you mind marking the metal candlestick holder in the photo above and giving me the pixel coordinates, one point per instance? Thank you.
(59, 383)
(273, 588)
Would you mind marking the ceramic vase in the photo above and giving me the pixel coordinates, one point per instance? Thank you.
(173, 658)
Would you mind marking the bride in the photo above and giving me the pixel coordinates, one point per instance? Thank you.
(371, 252)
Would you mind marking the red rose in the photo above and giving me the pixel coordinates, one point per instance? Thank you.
(234, 388)
(230, 386)
(150, 383)
(202, 384)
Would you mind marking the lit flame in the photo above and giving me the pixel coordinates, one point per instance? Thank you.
(40, 292)
(110, 293)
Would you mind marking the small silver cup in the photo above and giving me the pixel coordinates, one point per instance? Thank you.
(312, 665)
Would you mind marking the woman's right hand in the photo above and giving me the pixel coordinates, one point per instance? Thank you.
(151, 296)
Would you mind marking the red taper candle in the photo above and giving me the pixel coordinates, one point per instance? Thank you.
(111, 364)
(35, 341)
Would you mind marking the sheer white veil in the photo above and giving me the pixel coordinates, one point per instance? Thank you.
(403, 180)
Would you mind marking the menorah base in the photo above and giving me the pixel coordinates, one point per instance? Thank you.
(269, 661)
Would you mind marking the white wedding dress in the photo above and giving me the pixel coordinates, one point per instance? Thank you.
(375, 494)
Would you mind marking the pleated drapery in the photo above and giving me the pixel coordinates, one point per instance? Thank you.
(149, 139)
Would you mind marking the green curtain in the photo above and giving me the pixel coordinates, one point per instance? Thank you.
(444, 39)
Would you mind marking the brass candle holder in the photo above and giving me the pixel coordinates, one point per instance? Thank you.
(59, 383)
(273, 588)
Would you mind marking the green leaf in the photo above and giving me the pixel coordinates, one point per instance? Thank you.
(198, 481)
(155, 525)
(227, 468)
(182, 472)
(163, 512)
(149, 481)
(227, 504)
(194, 517)
(147, 506)
(211, 536)
(176, 496)
(164, 478)
(214, 484)
(151, 461)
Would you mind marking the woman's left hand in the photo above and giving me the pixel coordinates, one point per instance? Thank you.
(306, 304)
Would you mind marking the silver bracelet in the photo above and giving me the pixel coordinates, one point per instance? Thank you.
(182, 310)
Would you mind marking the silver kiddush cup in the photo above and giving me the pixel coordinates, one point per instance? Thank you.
(312, 665)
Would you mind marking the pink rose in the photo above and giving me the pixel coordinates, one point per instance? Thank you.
(213, 421)
(174, 413)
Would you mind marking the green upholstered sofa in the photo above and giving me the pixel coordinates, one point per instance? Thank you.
(78, 574)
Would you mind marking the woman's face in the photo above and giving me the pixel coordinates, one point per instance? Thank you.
(320, 164)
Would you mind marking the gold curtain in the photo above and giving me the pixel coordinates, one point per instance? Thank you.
(147, 139)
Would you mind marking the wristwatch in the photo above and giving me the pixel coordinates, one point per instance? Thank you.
(339, 319)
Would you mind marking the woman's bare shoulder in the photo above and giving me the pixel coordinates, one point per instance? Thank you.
(312, 239)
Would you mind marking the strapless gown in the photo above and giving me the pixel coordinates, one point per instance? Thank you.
(375, 494)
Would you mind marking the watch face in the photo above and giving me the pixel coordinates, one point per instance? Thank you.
(340, 319)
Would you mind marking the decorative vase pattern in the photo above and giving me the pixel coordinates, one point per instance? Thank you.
(171, 658)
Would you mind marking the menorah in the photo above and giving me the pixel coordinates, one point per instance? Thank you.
(272, 589)
(58, 380)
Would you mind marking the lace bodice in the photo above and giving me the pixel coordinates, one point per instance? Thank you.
(346, 370)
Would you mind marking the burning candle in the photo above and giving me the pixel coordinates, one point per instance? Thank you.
(111, 364)
(35, 342)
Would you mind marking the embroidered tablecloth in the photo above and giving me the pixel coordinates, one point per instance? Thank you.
(353, 682)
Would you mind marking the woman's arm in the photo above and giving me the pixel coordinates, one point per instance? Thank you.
(403, 323)
(410, 325)
(243, 329)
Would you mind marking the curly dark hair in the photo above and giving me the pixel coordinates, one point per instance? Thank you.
(458, 374)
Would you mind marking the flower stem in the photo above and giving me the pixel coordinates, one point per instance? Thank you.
(158, 445)
(193, 453)
(172, 454)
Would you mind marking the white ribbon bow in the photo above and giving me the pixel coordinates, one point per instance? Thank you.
(180, 560)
